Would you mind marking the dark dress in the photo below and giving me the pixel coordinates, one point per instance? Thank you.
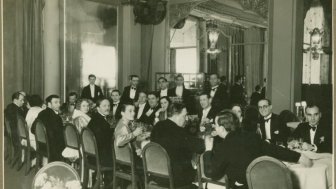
(54, 127)
(233, 155)
(180, 147)
(103, 133)
(322, 138)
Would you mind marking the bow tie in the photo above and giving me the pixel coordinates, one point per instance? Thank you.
(133, 88)
(313, 128)
(266, 120)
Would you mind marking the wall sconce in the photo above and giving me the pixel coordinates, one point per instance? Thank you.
(213, 38)
(315, 43)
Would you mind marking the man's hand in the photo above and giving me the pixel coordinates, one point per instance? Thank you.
(305, 161)
(208, 141)
(307, 147)
(138, 152)
(202, 128)
(137, 131)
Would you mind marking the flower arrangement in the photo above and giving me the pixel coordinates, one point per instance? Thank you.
(43, 181)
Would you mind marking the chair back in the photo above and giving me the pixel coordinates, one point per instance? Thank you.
(267, 172)
(40, 132)
(156, 162)
(71, 136)
(22, 128)
(123, 155)
(89, 145)
(8, 128)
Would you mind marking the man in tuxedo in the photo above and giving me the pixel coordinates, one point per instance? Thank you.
(180, 146)
(131, 93)
(141, 104)
(12, 111)
(237, 149)
(218, 94)
(317, 136)
(270, 127)
(148, 115)
(116, 105)
(69, 106)
(237, 92)
(163, 85)
(207, 112)
(92, 91)
(256, 96)
(53, 125)
(182, 92)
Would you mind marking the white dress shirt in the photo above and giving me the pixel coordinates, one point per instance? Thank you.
(179, 91)
(213, 91)
(205, 112)
(114, 107)
(92, 90)
(141, 108)
(268, 126)
(132, 93)
(164, 92)
(312, 135)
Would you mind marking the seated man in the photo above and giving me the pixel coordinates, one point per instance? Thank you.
(141, 105)
(148, 115)
(163, 84)
(54, 126)
(116, 105)
(69, 106)
(316, 136)
(180, 146)
(238, 149)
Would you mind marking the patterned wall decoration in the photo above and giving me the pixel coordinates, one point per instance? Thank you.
(258, 6)
(178, 12)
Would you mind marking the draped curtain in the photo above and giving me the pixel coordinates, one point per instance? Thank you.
(253, 58)
(147, 35)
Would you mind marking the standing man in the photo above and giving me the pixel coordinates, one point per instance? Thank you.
(163, 85)
(54, 126)
(92, 91)
(180, 146)
(182, 92)
(256, 96)
(131, 93)
(217, 93)
(316, 136)
(148, 115)
(271, 129)
(237, 92)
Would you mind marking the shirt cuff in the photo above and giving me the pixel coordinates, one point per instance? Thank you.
(315, 148)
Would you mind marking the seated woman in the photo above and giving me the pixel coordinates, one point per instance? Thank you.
(80, 115)
(237, 109)
(238, 149)
(161, 114)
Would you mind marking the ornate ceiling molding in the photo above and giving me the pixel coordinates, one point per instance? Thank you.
(258, 6)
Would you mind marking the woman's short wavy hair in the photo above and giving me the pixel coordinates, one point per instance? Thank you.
(228, 119)
(80, 101)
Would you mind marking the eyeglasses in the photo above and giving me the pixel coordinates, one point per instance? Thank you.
(263, 107)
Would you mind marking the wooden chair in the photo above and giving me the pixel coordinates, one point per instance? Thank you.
(156, 163)
(124, 165)
(72, 141)
(28, 151)
(42, 144)
(224, 181)
(8, 142)
(267, 172)
(90, 152)
(13, 148)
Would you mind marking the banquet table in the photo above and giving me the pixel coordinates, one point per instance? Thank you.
(319, 176)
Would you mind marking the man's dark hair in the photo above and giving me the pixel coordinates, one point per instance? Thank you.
(312, 105)
(91, 75)
(124, 106)
(16, 95)
(115, 91)
(228, 119)
(257, 88)
(268, 101)
(100, 100)
(133, 76)
(205, 93)
(153, 93)
(175, 108)
(163, 78)
(35, 100)
(167, 98)
(49, 98)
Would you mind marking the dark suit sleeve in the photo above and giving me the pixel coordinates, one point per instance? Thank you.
(279, 152)
(214, 164)
(101, 94)
(326, 144)
(195, 144)
(297, 132)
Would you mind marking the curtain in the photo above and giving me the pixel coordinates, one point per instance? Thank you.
(33, 46)
(147, 34)
(253, 58)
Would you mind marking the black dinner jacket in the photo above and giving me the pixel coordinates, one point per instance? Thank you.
(278, 133)
(117, 115)
(322, 139)
(54, 127)
(86, 93)
(186, 96)
(149, 119)
(233, 155)
(211, 115)
(11, 112)
(137, 110)
(220, 100)
(125, 97)
(180, 147)
(103, 133)
(255, 97)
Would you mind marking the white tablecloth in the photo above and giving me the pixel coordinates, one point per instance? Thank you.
(319, 176)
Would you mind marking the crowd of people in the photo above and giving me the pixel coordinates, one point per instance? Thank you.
(230, 133)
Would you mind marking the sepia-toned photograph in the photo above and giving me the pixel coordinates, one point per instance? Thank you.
(176, 94)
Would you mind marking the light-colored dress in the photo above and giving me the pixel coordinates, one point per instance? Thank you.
(30, 118)
(80, 119)
(123, 134)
